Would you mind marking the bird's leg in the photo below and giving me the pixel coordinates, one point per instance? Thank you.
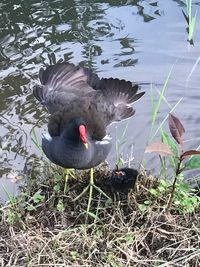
(82, 193)
(92, 185)
(66, 180)
(68, 173)
(91, 189)
(102, 192)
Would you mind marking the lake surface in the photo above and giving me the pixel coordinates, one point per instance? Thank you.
(138, 41)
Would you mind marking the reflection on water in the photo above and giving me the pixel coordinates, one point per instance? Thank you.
(134, 40)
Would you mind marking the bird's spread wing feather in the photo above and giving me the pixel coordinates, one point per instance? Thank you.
(121, 94)
(62, 83)
(120, 91)
(72, 91)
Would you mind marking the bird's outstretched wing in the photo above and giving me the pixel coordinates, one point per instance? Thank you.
(121, 94)
(62, 83)
(72, 91)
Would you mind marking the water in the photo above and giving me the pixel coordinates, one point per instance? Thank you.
(134, 40)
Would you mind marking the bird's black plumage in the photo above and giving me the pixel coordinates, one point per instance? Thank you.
(123, 179)
(73, 96)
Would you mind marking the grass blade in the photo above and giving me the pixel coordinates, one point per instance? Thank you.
(154, 116)
(163, 121)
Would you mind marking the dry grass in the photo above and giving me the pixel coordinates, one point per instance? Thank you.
(118, 235)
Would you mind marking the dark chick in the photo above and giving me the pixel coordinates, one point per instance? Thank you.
(123, 179)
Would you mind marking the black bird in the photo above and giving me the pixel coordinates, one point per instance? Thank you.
(81, 106)
(123, 179)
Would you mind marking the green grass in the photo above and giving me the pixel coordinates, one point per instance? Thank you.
(35, 139)
(44, 227)
(190, 19)
(155, 107)
(118, 144)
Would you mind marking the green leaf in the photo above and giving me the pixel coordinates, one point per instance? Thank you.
(74, 254)
(30, 208)
(154, 192)
(56, 188)
(164, 183)
(129, 237)
(180, 177)
(60, 206)
(57, 177)
(37, 198)
(147, 202)
(183, 187)
(162, 188)
(142, 207)
(108, 202)
(192, 163)
(170, 142)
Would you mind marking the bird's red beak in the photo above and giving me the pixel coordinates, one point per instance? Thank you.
(118, 173)
(82, 134)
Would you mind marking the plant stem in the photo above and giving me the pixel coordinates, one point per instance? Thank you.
(66, 180)
(163, 165)
(178, 171)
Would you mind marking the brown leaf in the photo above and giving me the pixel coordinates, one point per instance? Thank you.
(176, 128)
(190, 153)
(160, 148)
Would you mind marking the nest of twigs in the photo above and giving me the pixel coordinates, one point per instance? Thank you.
(117, 232)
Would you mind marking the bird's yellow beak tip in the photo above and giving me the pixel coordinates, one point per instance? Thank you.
(86, 145)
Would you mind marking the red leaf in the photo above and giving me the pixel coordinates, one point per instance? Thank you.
(160, 148)
(190, 153)
(176, 128)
